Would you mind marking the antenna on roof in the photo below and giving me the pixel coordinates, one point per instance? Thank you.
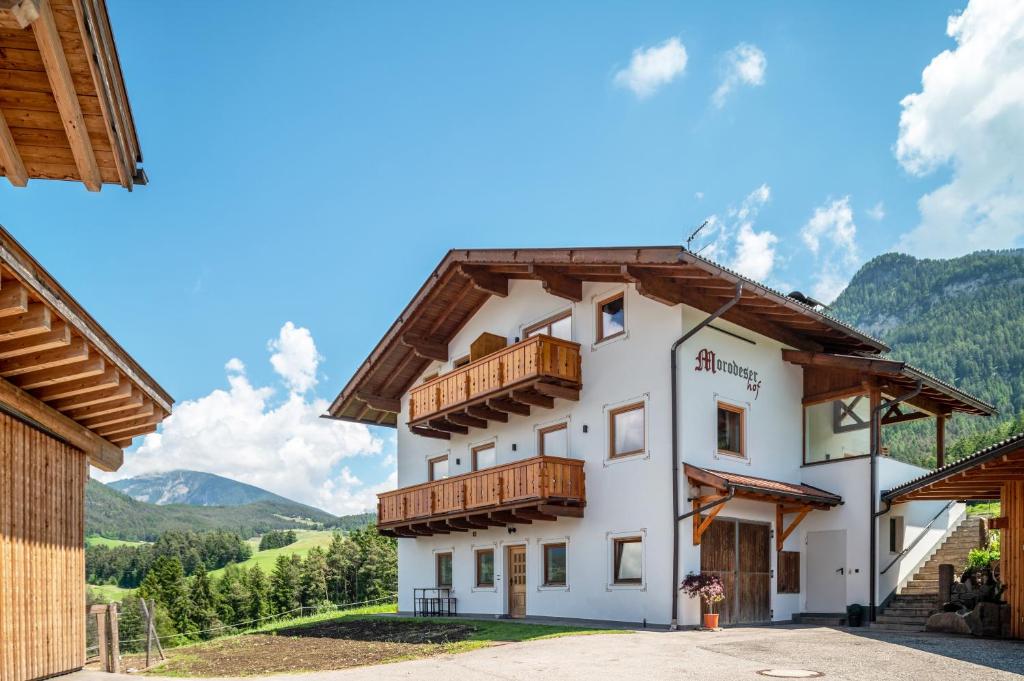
(694, 234)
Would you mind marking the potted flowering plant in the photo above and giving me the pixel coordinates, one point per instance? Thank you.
(710, 590)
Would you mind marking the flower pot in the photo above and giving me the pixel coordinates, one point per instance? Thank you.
(711, 620)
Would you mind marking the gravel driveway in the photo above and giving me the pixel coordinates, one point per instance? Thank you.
(731, 654)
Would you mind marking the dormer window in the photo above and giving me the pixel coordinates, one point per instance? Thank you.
(611, 317)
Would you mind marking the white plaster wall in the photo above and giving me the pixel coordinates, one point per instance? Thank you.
(916, 517)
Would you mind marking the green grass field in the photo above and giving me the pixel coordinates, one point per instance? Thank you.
(108, 593)
(96, 540)
(307, 539)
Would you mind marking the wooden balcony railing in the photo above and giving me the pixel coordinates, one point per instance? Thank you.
(530, 373)
(539, 488)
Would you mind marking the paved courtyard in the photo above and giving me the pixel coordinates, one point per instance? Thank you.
(740, 653)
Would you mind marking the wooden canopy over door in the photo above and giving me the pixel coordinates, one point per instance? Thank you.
(996, 472)
(739, 553)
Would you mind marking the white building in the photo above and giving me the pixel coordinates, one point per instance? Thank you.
(538, 444)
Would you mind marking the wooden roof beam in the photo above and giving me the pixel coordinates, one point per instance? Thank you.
(131, 415)
(486, 281)
(137, 426)
(58, 336)
(92, 366)
(133, 400)
(120, 391)
(74, 352)
(558, 284)
(379, 402)
(36, 320)
(425, 348)
(10, 157)
(651, 286)
(423, 431)
(55, 61)
(108, 379)
(13, 299)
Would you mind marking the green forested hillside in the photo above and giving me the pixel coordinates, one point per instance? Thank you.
(114, 515)
(961, 319)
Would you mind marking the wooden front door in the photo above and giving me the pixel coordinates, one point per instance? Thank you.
(738, 552)
(516, 571)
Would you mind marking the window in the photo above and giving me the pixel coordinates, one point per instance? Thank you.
(460, 361)
(485, 568)
(850, 415)
(559, 326)
(896, 534)
(554, 565)
(626, 430)
(628, 560)
(553, 440)
(438, 467)
(731, 438)
(430, 377)
(484, 456)
(611, 317)
(444, 569)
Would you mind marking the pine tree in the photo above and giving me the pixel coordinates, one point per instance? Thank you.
(284, 585)
(165, 583)
(204, 602)
(259, 594)
(342, 563)
(233, 595)
(313, 580)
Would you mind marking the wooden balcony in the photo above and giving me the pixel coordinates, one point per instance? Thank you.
(539, 488)
(531, 373)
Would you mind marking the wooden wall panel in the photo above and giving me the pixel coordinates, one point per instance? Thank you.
(42, 560)
(1012, 558)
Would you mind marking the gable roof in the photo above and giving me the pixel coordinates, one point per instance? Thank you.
(465, 279)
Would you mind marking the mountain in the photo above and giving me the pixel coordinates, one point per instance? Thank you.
(192, 488)
(115, 515)
(960, 319)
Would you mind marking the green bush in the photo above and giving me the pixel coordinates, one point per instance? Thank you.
(982, 558)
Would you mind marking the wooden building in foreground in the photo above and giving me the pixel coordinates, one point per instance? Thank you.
(70, 396)
(993, 473)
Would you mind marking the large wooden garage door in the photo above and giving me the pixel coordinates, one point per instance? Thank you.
(738, 552)
(42, 566)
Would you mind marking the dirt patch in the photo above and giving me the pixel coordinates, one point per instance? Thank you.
(319, 647)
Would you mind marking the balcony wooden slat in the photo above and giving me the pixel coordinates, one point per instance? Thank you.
(550, 481)
(540, 359)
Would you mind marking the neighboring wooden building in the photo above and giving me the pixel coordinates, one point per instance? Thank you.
(993, 473)
(70, 396)
(64, 110)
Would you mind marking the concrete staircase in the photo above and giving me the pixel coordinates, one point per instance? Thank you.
(909, 610)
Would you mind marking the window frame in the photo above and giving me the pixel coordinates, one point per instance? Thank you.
(430, 466)
(437, 569)
(599, 335)
(460, 362)
(548, 322)
(617, 560)
(483, 446)
(732, 408)
(622, 409)
(552, 428)
(477, 553)
(897, 534)
(564, 584)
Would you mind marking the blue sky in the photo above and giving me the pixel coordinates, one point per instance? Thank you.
(312, 163)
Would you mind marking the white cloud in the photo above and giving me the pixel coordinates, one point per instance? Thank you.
(735, 242)
(295, 357)
(877, 211)
(653, 67)
(831, 235)
(745, 64)
(284, 446)
(969, 117)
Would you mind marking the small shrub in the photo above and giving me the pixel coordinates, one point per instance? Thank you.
(708, 588)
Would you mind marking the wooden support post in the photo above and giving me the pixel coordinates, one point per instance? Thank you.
(101, 635)
(115, 640)
(940, 440)
(149, 631)
(152, 628)
(781, 532)
(700, 525)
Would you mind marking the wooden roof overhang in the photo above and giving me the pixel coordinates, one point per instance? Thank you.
(790, 498)
(978, 477)
(830, 376)
(466, 279)
(64, 109)
(60, 369)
